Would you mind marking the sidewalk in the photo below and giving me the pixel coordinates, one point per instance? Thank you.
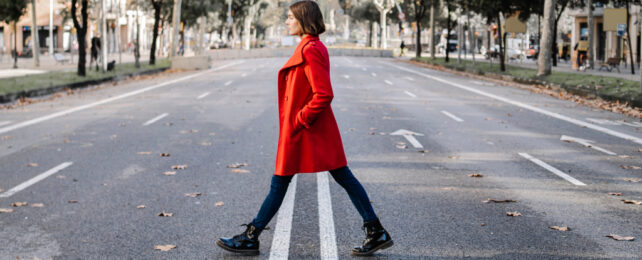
(48, 64)
(562, 66)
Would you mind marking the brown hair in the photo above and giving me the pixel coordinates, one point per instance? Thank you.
(309, 16)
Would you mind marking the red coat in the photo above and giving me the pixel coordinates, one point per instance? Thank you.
(309, 138)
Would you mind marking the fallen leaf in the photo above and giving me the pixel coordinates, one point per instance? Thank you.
(489, 200)
(193, 195)
(72, 201)
(373, 128)
(632, 202)
(509, 114)
(476, 175)
(615, 193)
(165, 214)
(212, 134)
(482, 224)
(140, 206)
(351, 129)
(61, 176)
(3, 210)
(513, 214)
(624, 156)
(164, 247)
(19, 204)
(32, 165)
(558, 228)
(167, 173)
(372, 133)
(1, 190)
(179, 167)
(631, 180)
(164, 155)
(386, 118)
(620, 238)
(37, 205)
(143, 153)
(401, 145)
(193, 131)
(636, 167)
(206, 143)
(237, 165)
(218, 204)
(447, 188)
(640, 150)
(66, 140)
(624, 166)
(239, 171)
(452, 157)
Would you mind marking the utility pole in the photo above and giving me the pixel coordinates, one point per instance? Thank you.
(176, 19)
(591, 51)
(34, 36)
(103, 36)
(432, 29)
(51, 41)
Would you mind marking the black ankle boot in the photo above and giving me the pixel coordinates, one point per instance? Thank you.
(246, 243)
(376, 238)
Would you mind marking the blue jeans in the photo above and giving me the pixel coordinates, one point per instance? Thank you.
(343, 176)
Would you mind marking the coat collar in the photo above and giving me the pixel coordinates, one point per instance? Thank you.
(297, 56)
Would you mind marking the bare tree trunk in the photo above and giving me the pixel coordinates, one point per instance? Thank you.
(628, 38)
(544, 58)
(502, 45)
(471, 35)
(81, 32)
(15, 44)
(34, 36)
(418, 49)
(157, 15)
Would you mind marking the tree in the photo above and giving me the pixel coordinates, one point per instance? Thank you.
(495, 10)
(157, 5)
(544, 58)
(10, 13)
(364, 10)
(450, 7)
(81, 32)
(384, 6)
(418, 9)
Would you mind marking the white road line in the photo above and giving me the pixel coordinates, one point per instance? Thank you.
(552, 169)
(364, 69)
(529, 107)
(410, 78)
(326, 221)
(203, 95)
(373, 74)
(388, 82)
(5, 123)
(281, 238)
(349, 60)
(409, 93)
(153, 120)
(129, 94)
(34, 180)
(346, 76)
(228, 82)
(244, 74)
(452, 116)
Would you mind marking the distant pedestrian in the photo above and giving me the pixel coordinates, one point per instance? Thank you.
(403, 49)
(95, 49)
(309, 138)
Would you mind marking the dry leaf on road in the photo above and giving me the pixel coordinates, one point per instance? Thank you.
(32, 165)
(636, 167)
(558, 228)
(140, 206)
(19, 204)
(169, 173)
(615, 193)
(37, 205)
(489, 200)
(4, 210)
(143, 153)
(218, 204)
(620, 238)
(513, 214)
(193, 195)
(237, 165)
(625, 156)
(239, 171)
(164, 247)
(179, 167)
(206, 144)
(165, 214)
(164, 155)
(632, 202)
(631, 180)
(72, 201)
(476, 175)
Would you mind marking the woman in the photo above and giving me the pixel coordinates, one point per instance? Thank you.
(309, 139)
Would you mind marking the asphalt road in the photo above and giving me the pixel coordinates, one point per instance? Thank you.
(92, 158)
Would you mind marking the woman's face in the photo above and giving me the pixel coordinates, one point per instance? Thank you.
(293, 24)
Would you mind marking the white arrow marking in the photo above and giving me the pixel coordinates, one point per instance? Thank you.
(410, 136)
(364, 69)
(153, 120)
(373, 74)
(586, 143)
(203, 95)
(228, 83)
(388, 82)
(452, 116)
(346, 76)
(409, 93)
(409, 78)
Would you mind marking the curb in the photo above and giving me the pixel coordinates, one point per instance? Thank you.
(580, 90)
(11, 97)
